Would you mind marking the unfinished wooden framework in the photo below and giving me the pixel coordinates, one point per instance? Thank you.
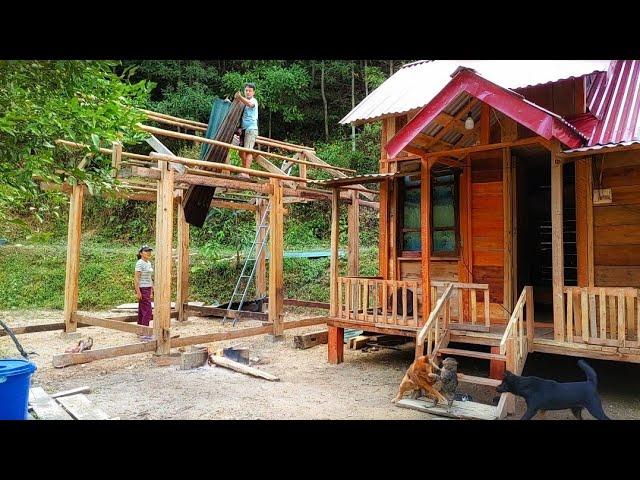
(154, 177)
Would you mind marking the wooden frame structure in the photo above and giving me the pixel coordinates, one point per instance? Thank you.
(154, 177)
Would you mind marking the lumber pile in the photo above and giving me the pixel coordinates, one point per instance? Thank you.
(67, 405)
(309, 340)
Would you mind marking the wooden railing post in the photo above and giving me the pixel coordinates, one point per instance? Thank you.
(557, 245)
(182, 289)
(530, 318)
(276, 252)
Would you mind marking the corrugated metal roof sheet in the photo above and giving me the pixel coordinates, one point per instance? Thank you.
(366, 178)
(600, 147)
(616, 104)
(414, 85)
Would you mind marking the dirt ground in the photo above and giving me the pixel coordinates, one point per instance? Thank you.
(362, 387)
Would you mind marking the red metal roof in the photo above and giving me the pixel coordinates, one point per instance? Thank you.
(613, 99)
(545, 123)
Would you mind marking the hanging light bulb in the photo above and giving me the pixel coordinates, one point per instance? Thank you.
(469, 123)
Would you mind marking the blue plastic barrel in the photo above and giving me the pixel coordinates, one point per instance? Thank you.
(15, 378)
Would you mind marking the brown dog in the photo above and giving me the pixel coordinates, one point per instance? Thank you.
(420, 376)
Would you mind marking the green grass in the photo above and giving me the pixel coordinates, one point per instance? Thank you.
(32, 276)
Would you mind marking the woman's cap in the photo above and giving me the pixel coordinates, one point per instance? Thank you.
(145, 248)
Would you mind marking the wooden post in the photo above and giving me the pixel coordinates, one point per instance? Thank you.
(335, 344)
(557, 245)
(116, 158)
(261, 267)
(496, 367)
(485, 123)
(465, 262)
(162, 284)
(74, 234)
(353, 235)
(182, 292)
(584, 221)
(276, 252)
(530, 318)
(508, 245)
(425, 235)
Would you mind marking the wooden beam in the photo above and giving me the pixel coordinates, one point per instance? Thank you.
(276, 253)
(270, 167)
(233, 205)
(171, 117)
(239, 367)
(584, 228)
(195, 138)
(186, 126)
(425, 236)
(557, 245)
(261, 265)
(507, 179)
(354, 236)
(311, 156)
(164, 234)
(459, 152)
(112, 324)
(309, 340)
(182, 277)
(74, 234)
(335, 239)
(66, 359)
(205, 310)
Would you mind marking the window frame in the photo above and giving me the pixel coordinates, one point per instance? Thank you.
(456, 212)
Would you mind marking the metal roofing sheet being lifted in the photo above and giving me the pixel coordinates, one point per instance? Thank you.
(415, 84)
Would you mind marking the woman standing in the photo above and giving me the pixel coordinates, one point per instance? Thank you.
(143, 283)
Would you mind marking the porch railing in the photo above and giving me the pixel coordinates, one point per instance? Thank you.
(435, 331)
(464, 307)
(606, 316)
(376, 301)
(517, 340)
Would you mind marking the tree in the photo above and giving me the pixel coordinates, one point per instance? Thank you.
(324, 104)
(41, 101)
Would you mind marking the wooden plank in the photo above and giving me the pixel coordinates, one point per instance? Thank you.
(239, 367)
(618, 276)
(116, 158)
(489, 382)
(335, 238)
(582, 172)
(81, 408)
(73, 391)
(45, 407)
(276, 253)
(113, 324)
(222, 312)
(425, 236)
(467, 327)
(630, 318)
(570, 316)
(613, 318)
(557, 245)
(462, 410)
(309, 340)
(592, 316)
(584, 304)
(603, 314)
(66, 359)
(507, 190)
(474, 313)
(472, 354)
(622, 331)
(162, 283)
(74, 233)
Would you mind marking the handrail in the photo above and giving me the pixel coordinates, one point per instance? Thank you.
(513, 321)
(435, 313)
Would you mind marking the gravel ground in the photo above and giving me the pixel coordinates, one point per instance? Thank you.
(362, 387)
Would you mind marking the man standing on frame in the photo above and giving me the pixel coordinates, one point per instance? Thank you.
(249, 123)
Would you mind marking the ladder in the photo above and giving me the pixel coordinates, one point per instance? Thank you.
(251, 260)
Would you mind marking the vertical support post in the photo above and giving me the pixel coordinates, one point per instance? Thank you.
(508, 239)
(276, 252)
(465, 269)
(496, 367)
(425, 235)
(530, 318)
(353, 235)
(557, 242)
(116, 158)
(336, 334)
(485, 123)
(74, 234)
(261, 267)
(162, 284)
(182, 290)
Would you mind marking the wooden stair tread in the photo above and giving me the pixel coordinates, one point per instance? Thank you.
(472, 354)
(490, 382)
(462, 410)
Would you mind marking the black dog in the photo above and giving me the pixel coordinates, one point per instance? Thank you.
(542, 395)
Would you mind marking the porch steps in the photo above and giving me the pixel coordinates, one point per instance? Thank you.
(460, 410)
(489, 382)
(471, 353)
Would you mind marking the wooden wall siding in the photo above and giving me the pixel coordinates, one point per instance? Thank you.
(487, 222)
(616, 226)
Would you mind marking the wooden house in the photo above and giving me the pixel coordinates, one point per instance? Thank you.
(509, 211)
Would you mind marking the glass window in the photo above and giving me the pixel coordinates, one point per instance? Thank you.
(444, 207)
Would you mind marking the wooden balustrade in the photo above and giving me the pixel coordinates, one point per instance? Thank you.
(517, 340)
(465, 310)
(602, 316)
(377, 301)
(435, 331)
